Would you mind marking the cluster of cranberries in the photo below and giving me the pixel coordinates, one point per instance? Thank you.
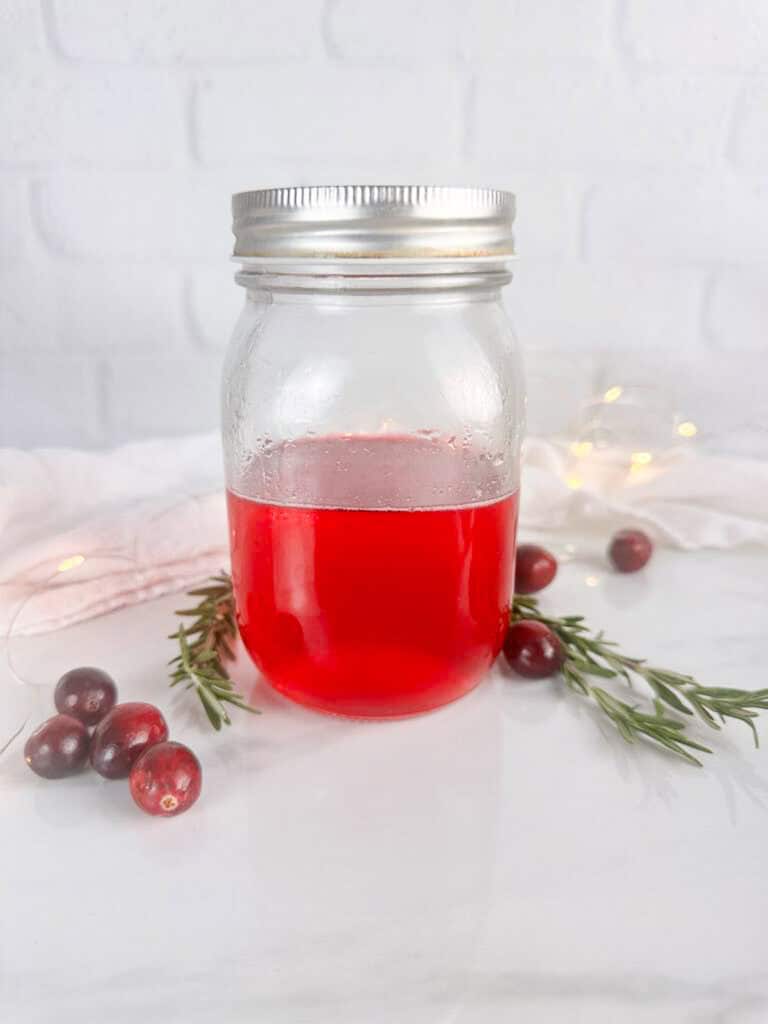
(533, 649)
(127, 741)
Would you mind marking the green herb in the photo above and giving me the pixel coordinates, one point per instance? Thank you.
(204, 648)
(589, 655)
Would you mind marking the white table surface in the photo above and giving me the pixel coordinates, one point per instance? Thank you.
(503, 859)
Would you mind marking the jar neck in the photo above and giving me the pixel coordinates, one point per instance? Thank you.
(380, 277)
(342, 290)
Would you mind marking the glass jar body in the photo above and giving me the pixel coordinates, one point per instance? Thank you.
(372, 433)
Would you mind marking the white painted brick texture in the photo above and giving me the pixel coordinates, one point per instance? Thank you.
(161, 396)
(333, 113)
(673, 221)
(598, 117)
(633, 132)
(419, 30)
(736, 311)
(60, 406)
(749, 132)
(212, 305)
(150, 218)
(713, 33)
(49, 307)
(161, 31)
(633, 308)
(22, 38)
(63, 116)
(15, 220)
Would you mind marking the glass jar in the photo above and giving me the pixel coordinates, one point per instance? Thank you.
(373, 411)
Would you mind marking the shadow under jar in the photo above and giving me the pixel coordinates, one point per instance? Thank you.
(373, 413)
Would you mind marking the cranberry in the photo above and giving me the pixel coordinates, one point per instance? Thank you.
(533, 650)
(58, 747)
(630, 550)
(122, 735)
(166, 779)
(85, 693)
(535, 568)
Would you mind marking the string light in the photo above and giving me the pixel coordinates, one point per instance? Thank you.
(591, 581)
(574, 482)
(581, 448)
(641, 458)
(687, 429)
(70, 563)
(612, 394)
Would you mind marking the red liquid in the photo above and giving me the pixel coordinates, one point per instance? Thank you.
(372, 612)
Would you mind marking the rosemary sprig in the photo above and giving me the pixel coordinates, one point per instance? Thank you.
(589, 654)
(204, 647)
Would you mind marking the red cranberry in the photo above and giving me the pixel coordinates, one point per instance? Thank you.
(630, 550)
(123, 735)
(85, 693)
(533, 650)
(166, 779)
(535, 568)
(57, 748)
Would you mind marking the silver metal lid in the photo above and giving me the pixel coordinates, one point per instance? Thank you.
(350, 222)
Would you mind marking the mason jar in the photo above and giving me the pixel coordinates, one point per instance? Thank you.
(373, 410)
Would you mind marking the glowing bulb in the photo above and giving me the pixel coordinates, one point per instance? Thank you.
(70, 563)
(581, 448)
(591, 581)
(641, 458)
(574, 482)
(687, 429)
(612, 394)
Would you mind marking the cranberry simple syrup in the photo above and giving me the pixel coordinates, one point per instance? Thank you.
(357, 606)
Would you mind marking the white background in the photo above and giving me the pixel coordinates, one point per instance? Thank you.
(635, 133)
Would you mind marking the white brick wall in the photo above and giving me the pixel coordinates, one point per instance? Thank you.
(64, 116)
(169, 31)
(678, 220)
(333, 114)
(599, 118)
(634, 132)
(403, 31)
(709, 33)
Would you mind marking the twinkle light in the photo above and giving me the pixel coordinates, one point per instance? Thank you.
(641, 458)
(591, 581)
(612, 394)
(574, 482)
(687, 429)
(581, 448)
(70, 563)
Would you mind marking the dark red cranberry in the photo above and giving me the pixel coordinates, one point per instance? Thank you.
(166, 779)
(123, 735)
(535, 568)
(533, 650)
(630, 550)
(58, 747)
(85, 693)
